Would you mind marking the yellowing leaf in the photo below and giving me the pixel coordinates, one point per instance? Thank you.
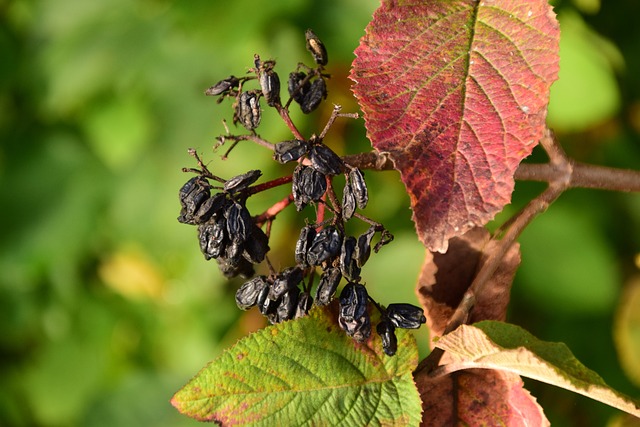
(496, 345)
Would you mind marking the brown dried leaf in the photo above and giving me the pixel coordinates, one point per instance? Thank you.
(446, 277)
(478, 397)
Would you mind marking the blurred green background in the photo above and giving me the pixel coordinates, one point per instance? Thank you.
(107, 306)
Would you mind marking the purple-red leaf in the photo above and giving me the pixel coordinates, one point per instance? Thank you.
(456, 92)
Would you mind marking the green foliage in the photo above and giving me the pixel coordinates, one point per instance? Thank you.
(106, 305)
(306, 372)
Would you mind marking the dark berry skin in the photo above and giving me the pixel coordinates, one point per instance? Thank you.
(316, 47)
(389, 340)
(405, 316)
(325, 246)
(312, 99)
(324, 160)
(247, 294)
(307, 234)
(241, 182)
(328, 285)
(289, 151)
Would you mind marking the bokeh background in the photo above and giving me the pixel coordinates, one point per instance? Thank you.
(107, 306)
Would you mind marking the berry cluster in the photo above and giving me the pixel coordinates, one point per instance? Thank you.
(228, 233)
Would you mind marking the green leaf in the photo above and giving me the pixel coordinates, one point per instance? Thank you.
(496, 345)
(306, 372)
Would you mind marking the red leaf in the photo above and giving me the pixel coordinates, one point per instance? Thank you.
(477, 397)
(456, 92)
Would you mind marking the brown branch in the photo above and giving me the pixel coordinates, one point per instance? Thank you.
(584, 176)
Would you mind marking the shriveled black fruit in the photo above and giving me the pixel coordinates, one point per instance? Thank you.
(305, 301)
(223, 86)
(324, 160)
(288, 304)
(270, 84)
(308, 186)
(388, 334)
(363, 247)
(265, 304)
(307, 234)
(248, 110)
(348, 265)
(348, 202)
(407, 316)
(353, 301)
(357, 328)
(316, 47)
(212, 206)
(192, 195)
(212, 238)
(247, 294)
(328, 285)
(289, 151)
(356, 177)
(298, 90)
(239, 223)
(233, 252)
(242, 268)
(325, 246)
(256, 246)
(317, 92)
(240, 182)
(285, 281)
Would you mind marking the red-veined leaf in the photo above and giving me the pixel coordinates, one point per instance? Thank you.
(456, 92)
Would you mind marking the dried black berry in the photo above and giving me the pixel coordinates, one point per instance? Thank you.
(233, 252)
(305, 301)
(211, 235)
(353, 301)
(270, 84)
(406, 316)
(356, 177)
(328, 285)
(229, 269)
(359, 329)
(248, 110)
(308, 186)
(256, 246)
(324, 160)
(241, 182)
(265, 304)
(348, 265)
(297, 89)
(288, 151)
(348, 202)
(192, 195)
(288, 304)
(317, 92)
(212, 206)
(239, 223)
(285, 281)
(363, 247)
(388, 334)
(325, 246)
(247, 294)
(316, 47)
(307, 234)
(223, 86)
